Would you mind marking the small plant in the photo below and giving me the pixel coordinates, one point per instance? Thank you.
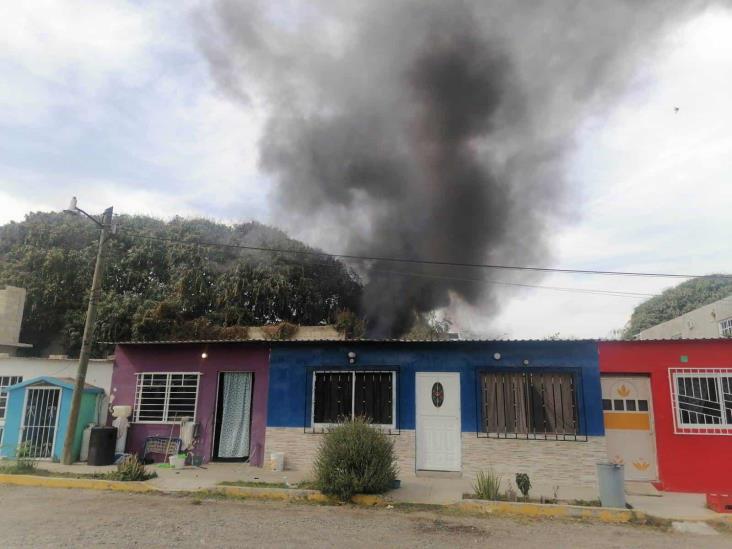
(523, 483)
(281, 331)
(355, 458)
(24, 458)
(350, 325)
(131, 469)
(487, 485)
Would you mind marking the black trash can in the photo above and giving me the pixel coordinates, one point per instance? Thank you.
(101, 445)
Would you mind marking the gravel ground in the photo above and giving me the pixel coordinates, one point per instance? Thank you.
(37, 517)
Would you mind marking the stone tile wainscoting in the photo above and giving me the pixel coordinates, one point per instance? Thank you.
(550, 462)
(300, 447)
(545, 461)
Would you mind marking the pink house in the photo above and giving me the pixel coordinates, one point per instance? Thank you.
(216, 384)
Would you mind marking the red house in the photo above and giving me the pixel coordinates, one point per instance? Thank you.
(667, 407)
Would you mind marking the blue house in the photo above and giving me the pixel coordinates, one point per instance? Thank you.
(37, 416)
(453, 406)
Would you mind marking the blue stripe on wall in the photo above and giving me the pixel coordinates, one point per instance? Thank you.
(291, 369)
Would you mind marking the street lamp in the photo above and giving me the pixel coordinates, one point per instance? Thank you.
(107, 229)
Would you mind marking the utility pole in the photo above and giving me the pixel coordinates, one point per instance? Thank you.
(91, 317)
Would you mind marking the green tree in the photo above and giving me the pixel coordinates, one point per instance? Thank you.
(156, 289)
(678, 300)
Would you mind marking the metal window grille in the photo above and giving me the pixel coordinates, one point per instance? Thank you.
(40, 422)
(165, 397)
(343, 394)
(527, 405)
(725, 327)
(7, 381)
(702, 400)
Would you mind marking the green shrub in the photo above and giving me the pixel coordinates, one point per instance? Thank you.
(24, 462)
(355, 458)
(487, 485)
(523, 483)
(130, 469)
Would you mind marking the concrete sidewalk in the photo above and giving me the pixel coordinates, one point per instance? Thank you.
(414, 489)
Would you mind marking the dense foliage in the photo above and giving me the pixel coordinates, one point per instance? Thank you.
(155, 289)
(355, 458)
(676, 301)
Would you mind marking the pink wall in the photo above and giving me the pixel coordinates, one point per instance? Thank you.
(686, 463)
(186, 357)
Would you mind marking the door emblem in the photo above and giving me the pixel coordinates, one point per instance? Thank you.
(438, 394)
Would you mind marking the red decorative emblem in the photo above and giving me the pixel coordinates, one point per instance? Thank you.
(438, 394)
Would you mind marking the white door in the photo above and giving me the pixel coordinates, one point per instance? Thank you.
(628, 411)
(438, 421)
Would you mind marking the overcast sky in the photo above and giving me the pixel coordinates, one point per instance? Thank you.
(113, 102)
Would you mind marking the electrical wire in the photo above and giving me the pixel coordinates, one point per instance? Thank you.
(413, 261)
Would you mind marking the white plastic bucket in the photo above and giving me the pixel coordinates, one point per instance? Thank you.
(277, 459)
(177, 462)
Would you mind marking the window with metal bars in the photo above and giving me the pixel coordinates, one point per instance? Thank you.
(529, 405)
(7, 381)
(725, 327)
(341, 395)
(165, 397)
(703, 399)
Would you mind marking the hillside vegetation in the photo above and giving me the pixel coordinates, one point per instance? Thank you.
(676, 301)
(161, 290)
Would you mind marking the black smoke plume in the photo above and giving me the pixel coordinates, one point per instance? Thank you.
(428, 128)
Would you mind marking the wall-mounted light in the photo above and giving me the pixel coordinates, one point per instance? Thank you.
(497, 356)
(351, 357)
(204, 355)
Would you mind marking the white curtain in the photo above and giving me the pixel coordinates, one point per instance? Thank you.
(234, 436)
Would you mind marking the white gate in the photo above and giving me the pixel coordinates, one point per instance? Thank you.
(40, 421)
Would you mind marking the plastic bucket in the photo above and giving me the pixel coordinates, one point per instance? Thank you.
(611, 478)
(277, 460)
(177, 462)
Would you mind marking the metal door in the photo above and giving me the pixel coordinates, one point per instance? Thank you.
(628, 412)
(40, 421)
(438, 421)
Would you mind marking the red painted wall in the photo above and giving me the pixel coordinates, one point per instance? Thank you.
(686, 463)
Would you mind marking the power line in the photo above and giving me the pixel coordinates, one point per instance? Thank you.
(415, 261)
(614, 293)
(591, 291)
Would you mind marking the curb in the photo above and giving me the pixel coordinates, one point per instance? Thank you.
(496, 508)
(294, 494)
(547, 510)
(84, 483)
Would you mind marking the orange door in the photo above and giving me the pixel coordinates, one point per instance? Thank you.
(626, 404)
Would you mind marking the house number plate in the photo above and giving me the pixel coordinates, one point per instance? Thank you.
(438, 394)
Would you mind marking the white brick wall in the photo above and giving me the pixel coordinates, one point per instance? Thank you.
(547, 462)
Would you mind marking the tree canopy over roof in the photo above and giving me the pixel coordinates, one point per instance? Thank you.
(678, 300)
(162, 290)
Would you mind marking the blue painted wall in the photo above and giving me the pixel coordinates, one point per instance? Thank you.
(14, 417)
(292, 364)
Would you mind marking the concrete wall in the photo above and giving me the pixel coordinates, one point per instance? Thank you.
(292, 365)
(700, 323)
(12, 301)
(221, 357)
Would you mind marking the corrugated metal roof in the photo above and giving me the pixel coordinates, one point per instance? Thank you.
(344, 341)
(396, 341)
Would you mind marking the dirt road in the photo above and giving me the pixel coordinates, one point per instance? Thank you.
(36, 517)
